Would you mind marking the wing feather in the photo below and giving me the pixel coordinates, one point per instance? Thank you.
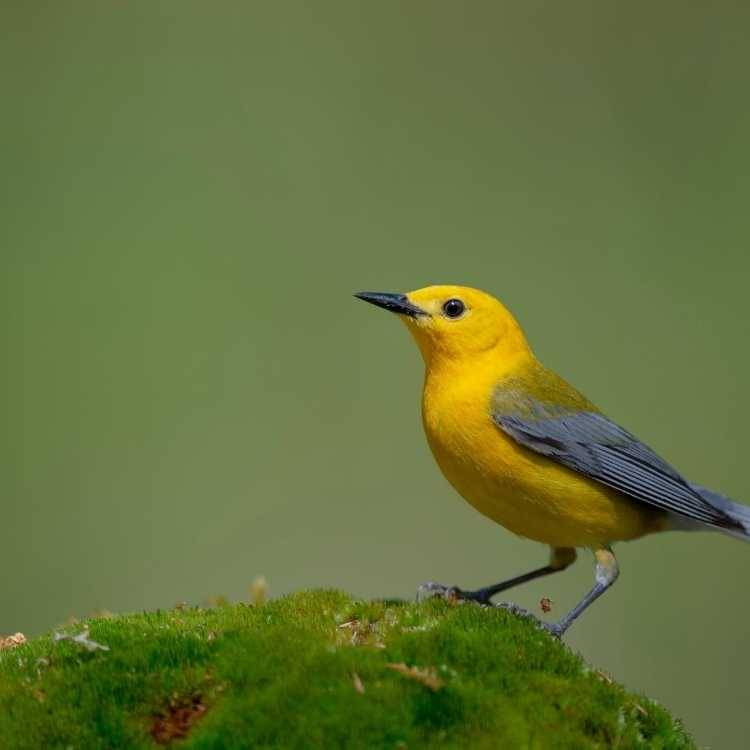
(591, 444)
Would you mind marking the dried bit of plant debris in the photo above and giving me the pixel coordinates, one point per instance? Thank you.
(361, 633)
(603, 676)
(427, 676)
(177, 720)
(259, 591)
(546, 604)
(12, 641)
(82, 639)
(358, 685)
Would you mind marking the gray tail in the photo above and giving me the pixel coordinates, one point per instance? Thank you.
(737, 512)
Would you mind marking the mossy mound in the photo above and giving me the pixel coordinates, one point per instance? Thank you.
(319, 670)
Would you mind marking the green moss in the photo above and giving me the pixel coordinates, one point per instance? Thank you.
(283, 675)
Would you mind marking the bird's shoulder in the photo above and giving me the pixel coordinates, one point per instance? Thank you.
(536, 392)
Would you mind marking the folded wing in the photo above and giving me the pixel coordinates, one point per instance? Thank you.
(591, 444)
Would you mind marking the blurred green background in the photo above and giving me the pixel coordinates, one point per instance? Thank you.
(190, 395)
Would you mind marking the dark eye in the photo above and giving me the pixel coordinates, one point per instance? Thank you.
(454, 308)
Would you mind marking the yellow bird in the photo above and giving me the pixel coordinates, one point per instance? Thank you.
(530, 452)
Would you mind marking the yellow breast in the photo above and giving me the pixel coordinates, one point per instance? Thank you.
(525, 492)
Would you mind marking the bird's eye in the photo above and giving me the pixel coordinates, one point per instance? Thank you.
(454, 308)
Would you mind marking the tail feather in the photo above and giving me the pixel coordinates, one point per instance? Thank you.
(736, 511)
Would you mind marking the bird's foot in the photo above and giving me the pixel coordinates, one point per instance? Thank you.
(453, 594)
(514, 609)
(552, 628)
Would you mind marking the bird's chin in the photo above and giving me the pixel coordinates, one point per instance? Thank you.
(421, 333)
(417, 322)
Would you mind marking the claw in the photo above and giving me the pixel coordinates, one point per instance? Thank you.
(431, 589)
(552, 628)
(452, 594)
(514, 609)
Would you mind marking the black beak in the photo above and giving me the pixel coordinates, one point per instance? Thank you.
(397, 303)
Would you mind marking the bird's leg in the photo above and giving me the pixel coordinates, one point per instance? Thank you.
(605, 573)
(560, 558)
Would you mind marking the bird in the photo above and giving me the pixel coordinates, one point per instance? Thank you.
(530, 452)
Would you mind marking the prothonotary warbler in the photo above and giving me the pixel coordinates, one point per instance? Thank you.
(530, 452)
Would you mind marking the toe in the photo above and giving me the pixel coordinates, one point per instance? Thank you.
(432, 589)
(552, 628)
(515, 609)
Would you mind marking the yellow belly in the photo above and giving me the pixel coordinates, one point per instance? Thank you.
(525, 492)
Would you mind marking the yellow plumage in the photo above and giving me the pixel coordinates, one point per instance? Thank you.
(528, 494)
(527, 450)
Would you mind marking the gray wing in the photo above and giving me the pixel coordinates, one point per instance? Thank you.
(591, 444)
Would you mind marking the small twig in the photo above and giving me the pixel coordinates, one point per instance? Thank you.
(427, 676)
(358, 685)
(82, 639)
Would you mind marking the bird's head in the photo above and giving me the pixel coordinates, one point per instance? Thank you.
(452, 323)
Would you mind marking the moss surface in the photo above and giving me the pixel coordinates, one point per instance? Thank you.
(321, 670)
